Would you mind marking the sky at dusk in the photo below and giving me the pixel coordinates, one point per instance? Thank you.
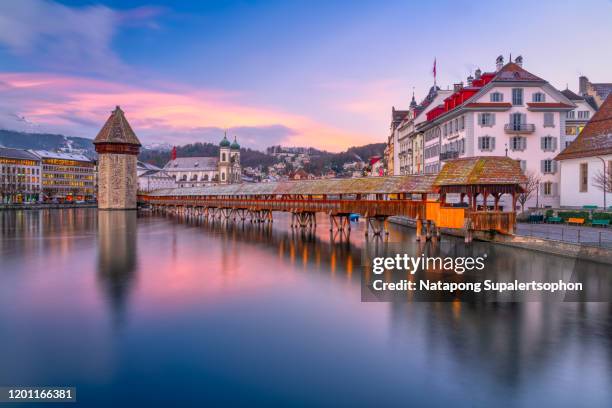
(302, 73)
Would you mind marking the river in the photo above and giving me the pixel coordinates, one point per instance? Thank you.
(159, 311)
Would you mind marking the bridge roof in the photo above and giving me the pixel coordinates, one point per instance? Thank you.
(366, 185)
(458, 174)
(480, 171)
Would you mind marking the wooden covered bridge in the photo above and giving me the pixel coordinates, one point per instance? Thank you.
(481, 181)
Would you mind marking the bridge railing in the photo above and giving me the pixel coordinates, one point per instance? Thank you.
(408, 208)
(499, 221)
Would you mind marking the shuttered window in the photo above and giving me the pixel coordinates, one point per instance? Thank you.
(518, 143)
(549, 119)
(486, 143)
(548, 143)
(486, 119)
(497, 97)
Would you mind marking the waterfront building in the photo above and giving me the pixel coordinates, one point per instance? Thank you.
(152, 178)
(19, 176)
(407, 140)
(426, 146)
(576, 119)
(66, 176)
(118, 148)
(586, 164)
(509, 112)
(391, 154)
(202, 171)
(598, 91)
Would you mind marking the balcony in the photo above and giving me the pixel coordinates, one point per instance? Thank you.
(449, 155)
(519, 128)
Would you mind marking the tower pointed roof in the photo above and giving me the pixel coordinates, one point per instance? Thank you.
(117, 130)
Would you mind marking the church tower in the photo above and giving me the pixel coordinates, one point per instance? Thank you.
(224, 161)
(235, 159)
(117, 147)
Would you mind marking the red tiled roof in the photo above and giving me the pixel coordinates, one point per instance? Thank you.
(549, 105)
(596, 137)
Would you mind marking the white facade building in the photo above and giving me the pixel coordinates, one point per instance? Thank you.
(152, 178)
(576, 119)
(585, 161)
(509, 112)
(202, 171)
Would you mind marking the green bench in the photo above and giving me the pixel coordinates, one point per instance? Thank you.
(602, 223)
(554, 220)
(536, 218)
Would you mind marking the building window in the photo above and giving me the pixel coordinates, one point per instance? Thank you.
(570, 115)
(549, 166)
(538, 97)
(461, 123)
(222, 156)
(549, 119)
(583, 114)
(445, 129)
(486, 119)
(497, 97)
(222, 176)
(570, 130)
(517, 121)
(518, 143)
(548, 144)
(584, 177)
(523, 164)
(547, 188)
(517, 96)
(486, 143)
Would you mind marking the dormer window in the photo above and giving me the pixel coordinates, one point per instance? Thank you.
(539, 97)
(196, 164)
(497, 97)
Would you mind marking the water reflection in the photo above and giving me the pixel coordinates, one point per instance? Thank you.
(117, 257)
(230, 313)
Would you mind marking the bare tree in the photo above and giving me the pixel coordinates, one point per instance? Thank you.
(529, 186)
(602, 181)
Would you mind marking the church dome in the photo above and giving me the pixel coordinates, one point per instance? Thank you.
(224, 142)
(235, 145)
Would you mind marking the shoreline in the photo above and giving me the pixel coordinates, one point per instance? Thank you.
(562, 248)
(58, 206)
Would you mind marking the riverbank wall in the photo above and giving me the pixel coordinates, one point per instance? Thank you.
(561, 248)
(27, 207)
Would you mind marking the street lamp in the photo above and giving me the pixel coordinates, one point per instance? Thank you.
(605, 182)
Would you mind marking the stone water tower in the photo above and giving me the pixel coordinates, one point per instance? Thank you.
(118, 148)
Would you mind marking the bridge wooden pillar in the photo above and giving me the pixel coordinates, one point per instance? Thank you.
(419, 228)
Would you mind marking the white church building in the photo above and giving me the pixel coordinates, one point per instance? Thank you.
(202, 171)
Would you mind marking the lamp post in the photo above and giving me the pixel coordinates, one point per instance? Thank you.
(605, 182)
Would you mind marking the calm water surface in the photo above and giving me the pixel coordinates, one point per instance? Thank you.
(153, 311)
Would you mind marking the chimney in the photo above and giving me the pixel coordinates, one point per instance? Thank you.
(457, 87)
(470, 80)
(499, 63)
(478, 73)
(583, 85)
(519, 61)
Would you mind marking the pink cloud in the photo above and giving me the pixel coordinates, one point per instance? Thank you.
(67, 103)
